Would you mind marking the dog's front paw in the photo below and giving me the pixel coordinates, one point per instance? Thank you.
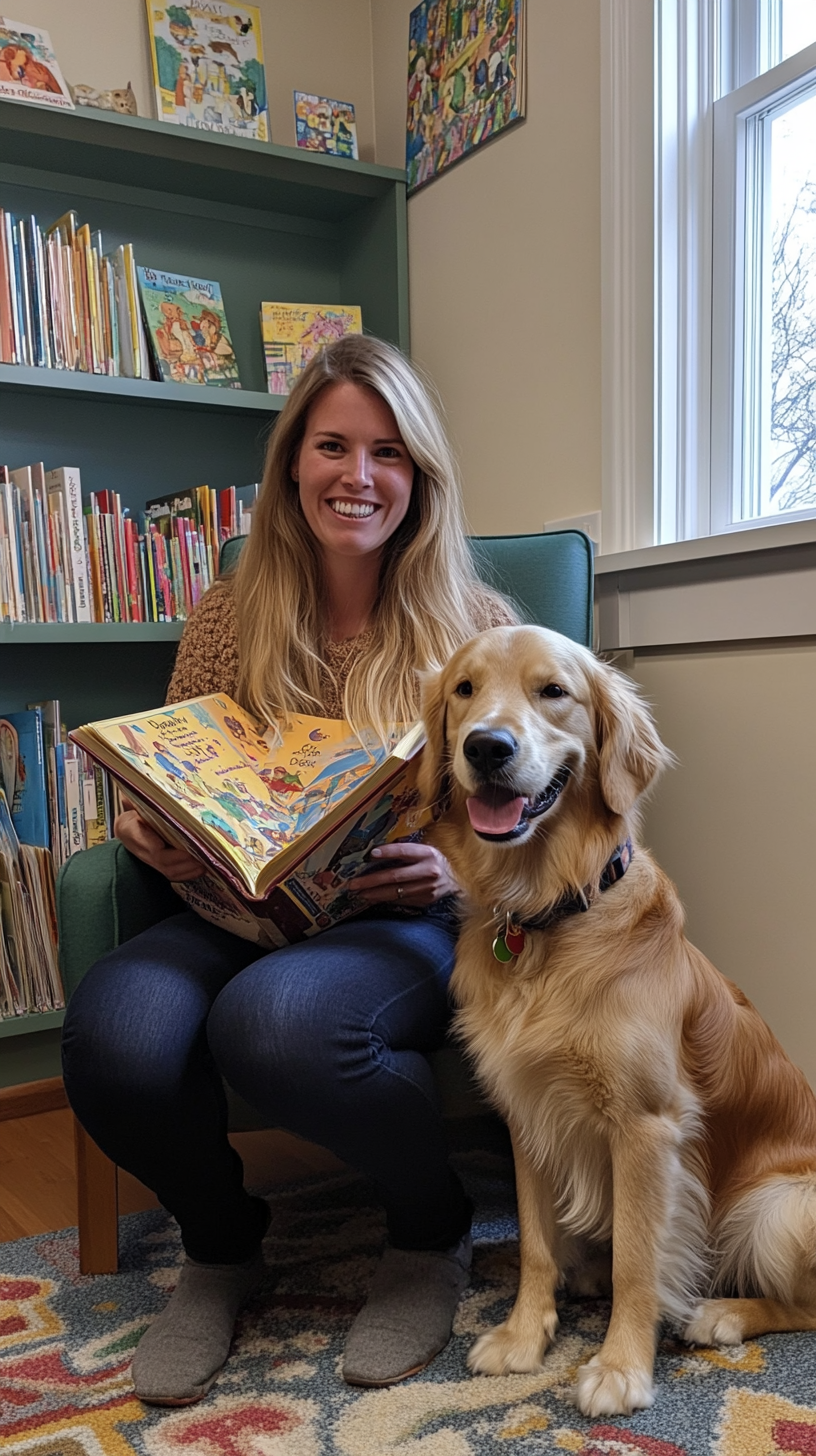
(715, 1322)
(601, 1390)
(506, 1351)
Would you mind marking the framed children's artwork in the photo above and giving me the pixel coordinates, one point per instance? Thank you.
(28, 66)
(323, 125)
(208, 66)
(466, 80)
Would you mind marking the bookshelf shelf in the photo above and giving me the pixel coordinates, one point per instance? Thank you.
(36, 1021)
(69, 383)
(101, 633)
(266, 222)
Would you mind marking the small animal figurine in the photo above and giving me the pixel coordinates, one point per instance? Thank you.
(122, 100)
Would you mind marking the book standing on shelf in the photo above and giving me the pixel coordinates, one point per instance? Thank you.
(28, 66)
(208, 67)
(187, 329)
(281, 822)
(293, 333)
(323, 125)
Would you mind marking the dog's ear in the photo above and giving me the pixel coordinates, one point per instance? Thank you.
(630, 752)
(434, 782)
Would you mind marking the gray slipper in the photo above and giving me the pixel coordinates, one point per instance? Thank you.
(408, 1316)
(179, 1356)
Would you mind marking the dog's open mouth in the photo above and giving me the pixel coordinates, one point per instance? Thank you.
(498, 813)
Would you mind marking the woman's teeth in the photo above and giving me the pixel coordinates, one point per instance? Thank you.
(345, 508)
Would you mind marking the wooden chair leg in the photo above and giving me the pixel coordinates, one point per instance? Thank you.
(97, 1206)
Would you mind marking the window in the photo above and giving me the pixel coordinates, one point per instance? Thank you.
(710, 353)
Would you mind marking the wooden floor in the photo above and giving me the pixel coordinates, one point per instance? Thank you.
(38, 1181)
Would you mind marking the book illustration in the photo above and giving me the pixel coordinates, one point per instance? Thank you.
(188, 329)
(28, 66)
(465, 81)
(208, 67)
(282, 819)
(293, 333)
(323, 125)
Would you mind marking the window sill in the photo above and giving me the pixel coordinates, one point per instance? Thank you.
(746, 585)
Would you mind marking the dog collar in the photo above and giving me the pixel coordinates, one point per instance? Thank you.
(511, 940)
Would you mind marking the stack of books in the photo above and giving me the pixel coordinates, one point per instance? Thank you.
(65, 303)
(63, 559)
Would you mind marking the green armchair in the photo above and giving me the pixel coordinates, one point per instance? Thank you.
(105, 896)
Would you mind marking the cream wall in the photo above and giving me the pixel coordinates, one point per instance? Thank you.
(504, 253)
(309, 45)
(733, 823)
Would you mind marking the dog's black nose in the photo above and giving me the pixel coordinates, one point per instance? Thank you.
(487, 751)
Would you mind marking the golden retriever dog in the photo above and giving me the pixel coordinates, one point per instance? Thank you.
(653, 1114)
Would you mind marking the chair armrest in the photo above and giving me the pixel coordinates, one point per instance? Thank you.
(104, 897)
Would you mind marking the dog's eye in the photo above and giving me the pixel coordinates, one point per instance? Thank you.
(464, 689)
(552, 690)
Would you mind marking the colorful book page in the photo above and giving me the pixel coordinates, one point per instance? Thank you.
(255, 796)
(28, 66)
(323, 125)
(465, 80)
(293, 333)
(188, 329)
(208, 66)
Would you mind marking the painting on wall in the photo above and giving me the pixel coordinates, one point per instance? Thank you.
(466, 79)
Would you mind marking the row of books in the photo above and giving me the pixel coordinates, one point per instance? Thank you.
(63, 559)
(54, 801)
(67, 304)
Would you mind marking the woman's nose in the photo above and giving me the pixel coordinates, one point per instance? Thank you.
(358, 468)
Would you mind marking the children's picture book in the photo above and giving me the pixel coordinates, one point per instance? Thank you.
(28, 66)
(29, 970)
(323, 125)
(187, 329)
(281, 821)
(25, 781)
(466, 80)
(208, 66)
(293, 333)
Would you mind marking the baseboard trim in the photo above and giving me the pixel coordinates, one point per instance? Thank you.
(28, 1098)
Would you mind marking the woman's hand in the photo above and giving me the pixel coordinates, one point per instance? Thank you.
(147, 845)
(410, 874)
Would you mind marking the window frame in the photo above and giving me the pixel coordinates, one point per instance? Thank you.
(664, 65)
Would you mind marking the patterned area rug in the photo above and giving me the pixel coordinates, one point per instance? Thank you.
(65, 1344)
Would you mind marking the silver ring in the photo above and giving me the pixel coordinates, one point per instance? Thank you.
(400, 892)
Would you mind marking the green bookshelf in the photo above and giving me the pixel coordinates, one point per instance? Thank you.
(266, 222)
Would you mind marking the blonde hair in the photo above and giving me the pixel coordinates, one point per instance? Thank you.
(429, 596)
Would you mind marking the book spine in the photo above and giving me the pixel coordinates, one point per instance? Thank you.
(75, 819)
(46, 354)
(24, 290)
(65, 483)
(8, 348)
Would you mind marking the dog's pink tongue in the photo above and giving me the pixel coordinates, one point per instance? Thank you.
(494, 813)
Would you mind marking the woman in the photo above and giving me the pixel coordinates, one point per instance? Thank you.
(357, 572)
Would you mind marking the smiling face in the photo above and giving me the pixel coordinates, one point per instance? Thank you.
(518, 727)
(353, 471)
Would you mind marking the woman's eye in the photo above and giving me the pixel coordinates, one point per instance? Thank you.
(464, 689)
(552, 690)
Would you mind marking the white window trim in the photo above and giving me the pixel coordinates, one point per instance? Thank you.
(734, 116)
(656, 421)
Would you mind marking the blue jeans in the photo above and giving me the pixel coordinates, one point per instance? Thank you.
(326, 1038)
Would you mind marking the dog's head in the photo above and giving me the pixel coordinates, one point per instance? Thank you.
(521, 720)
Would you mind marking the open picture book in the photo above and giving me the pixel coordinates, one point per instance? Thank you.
(281, 824)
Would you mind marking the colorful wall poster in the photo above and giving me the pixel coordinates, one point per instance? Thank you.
(28, 66)
(187, 328)
(294, 332)
(466, 78)
(208, 66)
(323, 125)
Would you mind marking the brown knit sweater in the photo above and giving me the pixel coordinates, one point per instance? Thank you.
(207, 658)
